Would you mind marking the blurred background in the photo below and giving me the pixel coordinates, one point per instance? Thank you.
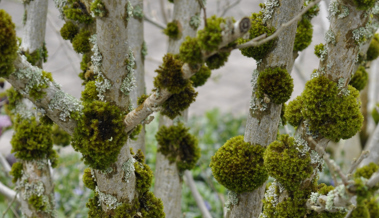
(217, 115)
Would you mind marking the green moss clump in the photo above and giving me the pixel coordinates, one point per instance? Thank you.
(150, 206)
(177, 103)
(324, 189)
(375, 114)
(99, 134)
(373, 207)
(366, 171)
(142, 99)
(37, 202)
(276, 83)
(330, 113)
(76, 10)
(8, 44)
(258, 28)
(90, 93)
(173, 30)
(304, 33)
(95, 210)
(60, 137)
(282, 117)
(361, 211)
(144, 175)
(170, 75)
(178, 146)
(133, 135)
(84, 62)
(210, 37)
(284, 162)
(37, 55)
(201, 77)
(360, 78)
(364, 4)
(80, 43)
(32, 141)
(16, 171)
(69, 30)
(217, 60)
(45, 120)
(36, 91)
(238, 165)
(319, 49)
(190, 51)
(88, 180)
(14, 97)
(98, 8)
(373, 50)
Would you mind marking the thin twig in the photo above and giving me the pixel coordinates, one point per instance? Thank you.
(155, 23)
(10, 204)
(356, 162)
(254, 42)
(164, 12)
(230, 6)
(5, 163)
(349, 214)
(331, 164)
(196, 195)
(204, 10)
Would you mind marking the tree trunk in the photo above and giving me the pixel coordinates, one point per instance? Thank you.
(168, 181)
(262, 127)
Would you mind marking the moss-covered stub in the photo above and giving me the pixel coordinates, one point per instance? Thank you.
(258, 28)
(238, 165)
(173, 30)
(190, 51)
(99, 134)
(359, 79)
(177, 103)
(178, 146)
(210, 37)
(8, 44)
(276, 83)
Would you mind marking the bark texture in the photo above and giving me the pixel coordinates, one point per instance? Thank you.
(262, 126)
(168, 181)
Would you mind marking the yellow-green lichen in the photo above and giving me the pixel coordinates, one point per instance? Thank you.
(276, 83)
(328, 112)
(76, 10)
(8, 44)
(98, 8)
(373, 50)
(210, 37)
(177, 103)
(258, 28)
(69, 30)
(364, 4)
(16, 171)
(178, 146)
(286, 164)
(80, 42)
(201, 76)
(88, 179)
(190, 51)
(173, 30)
(360, 78)
(170, 75)
(304, 33)
(32, 141)
(99, 134)
(37, 202)
(60, 137)
(238, 165)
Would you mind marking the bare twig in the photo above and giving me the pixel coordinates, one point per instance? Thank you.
(229, 6)
(10, 204)
(5, 163)
(7, 192)
(256, 42)
(356, 162)
(155, 23)
(374, 179)
(199, 200)
(204, 10)
(331, 164)
(163, 10)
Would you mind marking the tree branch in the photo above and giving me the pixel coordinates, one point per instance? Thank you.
(356, 162)
(155, 23)
(258, 41)
(5, 163)
(158, 97)
(230, 6)
(7, 192)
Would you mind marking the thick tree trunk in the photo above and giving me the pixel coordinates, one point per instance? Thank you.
(262, 126)
(168, 181)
